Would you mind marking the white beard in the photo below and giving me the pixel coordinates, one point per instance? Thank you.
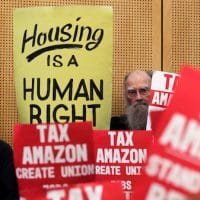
(137, 115)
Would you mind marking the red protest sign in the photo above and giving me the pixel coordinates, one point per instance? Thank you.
(49, 155)
(173, 166)
(162, 89)
(84, 191)
(155, 118)
(120, 155)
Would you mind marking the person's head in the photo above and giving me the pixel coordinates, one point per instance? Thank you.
(137, 86)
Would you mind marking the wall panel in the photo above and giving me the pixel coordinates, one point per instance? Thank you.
(181, 34)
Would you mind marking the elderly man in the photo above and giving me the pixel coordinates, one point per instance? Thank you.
(136, 92)
(137, 86)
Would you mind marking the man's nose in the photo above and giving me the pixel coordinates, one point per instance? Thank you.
(138, 96)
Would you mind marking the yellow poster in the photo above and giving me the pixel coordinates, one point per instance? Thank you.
(63, 64)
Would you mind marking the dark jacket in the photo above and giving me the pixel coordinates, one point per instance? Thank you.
(8, 181)
(119, 123)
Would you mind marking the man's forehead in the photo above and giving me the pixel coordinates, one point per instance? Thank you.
(138, 75)
(139, 79)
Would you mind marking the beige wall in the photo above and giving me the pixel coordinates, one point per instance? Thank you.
(181, 34)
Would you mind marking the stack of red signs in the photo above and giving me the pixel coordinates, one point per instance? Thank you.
(173, 166)
(57, 156)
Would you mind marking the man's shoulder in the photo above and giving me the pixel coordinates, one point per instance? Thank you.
(4, 145)
(5, 150)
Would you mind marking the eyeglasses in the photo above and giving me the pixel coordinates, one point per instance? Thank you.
(132, 93)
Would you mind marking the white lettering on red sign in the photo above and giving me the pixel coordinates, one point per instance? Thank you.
(182, 134)
(77, 170)
(159, 192)
(173, 173)
(54, 154)
(118, 138)
(52, 134)
(91, 193)
(108, 155)
(161, 98)
(35, 173)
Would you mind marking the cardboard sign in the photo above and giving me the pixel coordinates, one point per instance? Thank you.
(53, 155)
(86, 191)
(162, 90)
(173, 166)
(63, 64)
(120, 155)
